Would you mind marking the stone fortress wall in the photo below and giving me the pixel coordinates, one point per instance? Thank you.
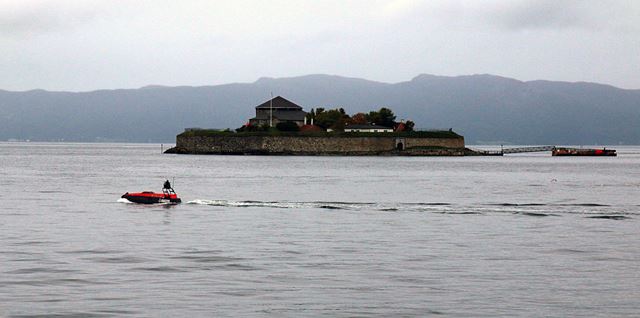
(320, 145)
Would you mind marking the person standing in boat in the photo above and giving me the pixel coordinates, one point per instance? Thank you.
(167, 185)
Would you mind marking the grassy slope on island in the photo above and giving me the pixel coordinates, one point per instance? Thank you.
(407, 134)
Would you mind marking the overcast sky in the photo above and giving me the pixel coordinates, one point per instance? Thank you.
(94, 44)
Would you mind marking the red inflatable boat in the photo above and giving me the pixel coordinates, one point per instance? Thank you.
(168, 195)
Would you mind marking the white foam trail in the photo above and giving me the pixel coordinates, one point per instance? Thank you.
(123, 200)
(284, 205)
(208, 202)
(429, 207)
(315, 205)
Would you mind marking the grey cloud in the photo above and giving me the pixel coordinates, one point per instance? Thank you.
(63, 44)
(554, 14)
(44, 18)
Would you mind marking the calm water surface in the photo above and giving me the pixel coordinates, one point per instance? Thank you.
(526, 235)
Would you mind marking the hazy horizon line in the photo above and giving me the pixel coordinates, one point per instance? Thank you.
(263, 78)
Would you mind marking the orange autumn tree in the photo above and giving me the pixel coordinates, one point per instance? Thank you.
(359, 119)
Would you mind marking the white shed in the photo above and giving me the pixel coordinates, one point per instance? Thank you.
(368, 128)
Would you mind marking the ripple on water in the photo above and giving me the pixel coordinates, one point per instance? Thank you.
(208, 258)
(66, 315)
(568, 251)
(609, 217)
(37, 270)
(585, 204)
(165, 269)
(51, 282)
(118, 259)
(516, 204)
(459, 212)
(332, 207)
(95, 251)
(30, 243)
(207, 261)
(535, 214)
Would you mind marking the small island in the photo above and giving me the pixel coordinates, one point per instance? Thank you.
(282, 127)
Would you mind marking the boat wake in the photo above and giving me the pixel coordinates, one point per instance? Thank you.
(592, 210)
(324, 205)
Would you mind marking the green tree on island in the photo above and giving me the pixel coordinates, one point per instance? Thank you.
(382, 117)
(337, 119)
(409, 125)
(334, 118)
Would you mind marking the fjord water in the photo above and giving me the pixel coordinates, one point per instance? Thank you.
(526, 235)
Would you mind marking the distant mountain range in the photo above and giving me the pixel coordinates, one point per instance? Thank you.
(483, 108)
